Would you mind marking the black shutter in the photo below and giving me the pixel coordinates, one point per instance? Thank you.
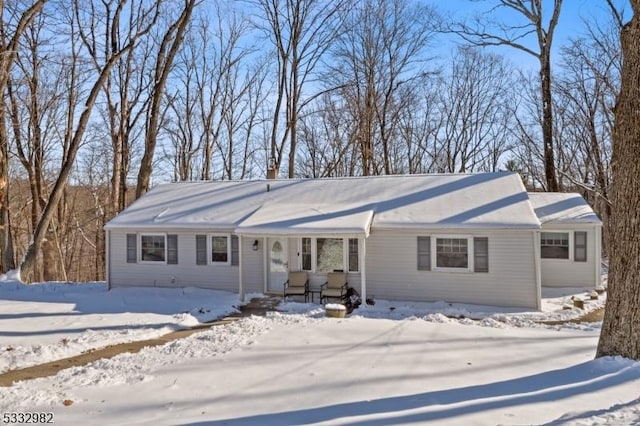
(172, 249)
(424, 253)
(201, 249)
(132, 253)
(481, 254)
(235, 250)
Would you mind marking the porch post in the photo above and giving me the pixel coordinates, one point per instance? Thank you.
(240, 277)
(363, 269)
(265, 273)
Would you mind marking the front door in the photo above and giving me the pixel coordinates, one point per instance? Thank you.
(278, 264)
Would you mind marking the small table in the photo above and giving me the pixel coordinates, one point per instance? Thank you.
(313, 292)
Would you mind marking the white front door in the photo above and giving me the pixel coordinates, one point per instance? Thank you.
(278, 264)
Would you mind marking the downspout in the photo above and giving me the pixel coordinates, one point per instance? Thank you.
(240, 277)
(107, 258)
(363, 273)
(537, 268)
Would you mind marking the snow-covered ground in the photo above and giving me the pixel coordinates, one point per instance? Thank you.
(48, 321)
(392, 363)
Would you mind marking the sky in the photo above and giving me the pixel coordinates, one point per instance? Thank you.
(571, 24)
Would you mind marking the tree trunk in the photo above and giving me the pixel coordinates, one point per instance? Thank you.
(8, 52)
(169, 47)
(547, 122)
(619, 334)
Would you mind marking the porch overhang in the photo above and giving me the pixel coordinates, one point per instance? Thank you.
(304, 220)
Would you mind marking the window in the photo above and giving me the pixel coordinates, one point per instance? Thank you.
(152, 248)
(481, 254)
(424, 253)
(554, 245)
(452, 253)
(329, 254)
(306, 254)
(132, 243)
(353, 255)
(580, 246)
(219, 249)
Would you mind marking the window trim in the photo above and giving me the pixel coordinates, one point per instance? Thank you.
(210, 260)
(314, 253)
(139, 244)
(434, 254)
(570, 235)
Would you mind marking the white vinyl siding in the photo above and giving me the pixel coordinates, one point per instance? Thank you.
(183, 274)
(572, 273)
(392, 272)
(252, 266)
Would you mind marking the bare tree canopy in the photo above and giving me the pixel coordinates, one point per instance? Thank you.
(531, 20)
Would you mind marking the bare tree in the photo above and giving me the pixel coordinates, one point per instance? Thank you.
(489, 32)
(619, 334)
(169, 46)
(588, 87)
(378, 56)
(10, 33)
(301, 32)
(87, 21)
(476, 103)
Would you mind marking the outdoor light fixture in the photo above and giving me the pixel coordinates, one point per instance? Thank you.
(255, 245)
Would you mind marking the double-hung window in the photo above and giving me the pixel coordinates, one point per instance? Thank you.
(554, 245)
(219, 249)
(153, 248)
(452, 253)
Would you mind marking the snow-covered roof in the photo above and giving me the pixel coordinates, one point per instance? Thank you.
(557, 207)
(337, 205)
